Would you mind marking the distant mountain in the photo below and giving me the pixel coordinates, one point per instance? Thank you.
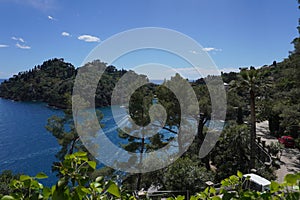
(52, 82)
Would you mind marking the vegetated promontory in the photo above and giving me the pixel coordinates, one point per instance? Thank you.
(52, 83)
(277, 94)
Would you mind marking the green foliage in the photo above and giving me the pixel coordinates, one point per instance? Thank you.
(5, 178)
(28, 187)
(232, 151)
(228, 77)
(140, 112)
(232, 188)
(276, 89)
(275, 148)
(74, 183)
(138, 141)
(186, 174)
(282, 99)
(63, 129)
(284, 102)
(52, 83)
(47, 82)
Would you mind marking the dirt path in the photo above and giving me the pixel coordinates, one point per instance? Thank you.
(290, 158)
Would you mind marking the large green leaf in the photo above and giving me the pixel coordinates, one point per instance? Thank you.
(41, 175)
(24, 177)
(46, 192)
(99, 179)
(92, 164)
(291, 179)
(80, 154)
(180, 197)
(85, 190)
(113, 189)
(7, 197)
(274, 186)
(240, 174)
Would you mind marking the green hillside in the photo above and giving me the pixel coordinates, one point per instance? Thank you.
(52, 82)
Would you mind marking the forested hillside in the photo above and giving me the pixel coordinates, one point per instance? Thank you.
(280, 102)
(52, 82)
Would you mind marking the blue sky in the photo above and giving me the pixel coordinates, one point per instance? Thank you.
(235, 33)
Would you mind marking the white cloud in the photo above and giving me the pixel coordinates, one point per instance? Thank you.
(156, 71)
(18, 39)
(22, 46)
(229, 69)
(89, 38)
(51, 18)
(66, 34)
(208, 49)
(3, 45)
(194, 73)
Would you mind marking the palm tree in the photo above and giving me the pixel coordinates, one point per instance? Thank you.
(249, 79)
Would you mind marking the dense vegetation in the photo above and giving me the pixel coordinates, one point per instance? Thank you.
(268, 93)
(75, 183)
(276, 89)
(271, 84)
(52, 82)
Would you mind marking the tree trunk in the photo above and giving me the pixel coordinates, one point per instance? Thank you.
(139, 176)
(253, 129)
(201, 137)
(73, 145)
(274, 122)
(138, 182)
(239, 118)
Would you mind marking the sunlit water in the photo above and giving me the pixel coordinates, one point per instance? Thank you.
(25, 145)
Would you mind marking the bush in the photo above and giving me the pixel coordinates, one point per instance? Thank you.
(275, 148)
(5, 178)
(74, 183)
(231, 188)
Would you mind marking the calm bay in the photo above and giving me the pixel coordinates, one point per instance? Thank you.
(25, 145)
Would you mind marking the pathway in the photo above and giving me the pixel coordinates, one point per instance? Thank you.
(290, 158)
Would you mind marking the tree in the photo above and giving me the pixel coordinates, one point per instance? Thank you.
(186, 174)
(5, 178)
(165, 127)
(181, 104)
(203, 117)
(139, 105)
(249, 82)
(63, 129)
(53, 79)
(231, 152)
(74, 183)
(233, 187)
